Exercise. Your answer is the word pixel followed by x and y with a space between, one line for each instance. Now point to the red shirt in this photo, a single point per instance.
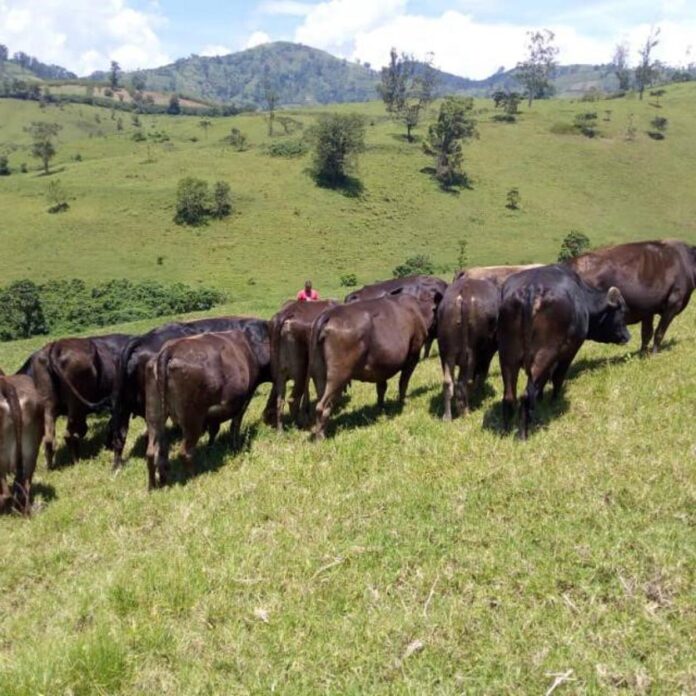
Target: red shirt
pixel 302 296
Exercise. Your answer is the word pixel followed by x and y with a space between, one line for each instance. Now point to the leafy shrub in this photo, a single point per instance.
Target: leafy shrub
pixel 513 199
pixel 27 309
pixel 138 136
pixel 222 200
pixel 349 280
pixel 191 201
pixel 23 168
pixel 338 139
pixel 415 265
pixel 57 197
pixel 586 123
pixel 4 166
pixel 237 140
pixel 504 118
pixel 574 244
pixel 287 148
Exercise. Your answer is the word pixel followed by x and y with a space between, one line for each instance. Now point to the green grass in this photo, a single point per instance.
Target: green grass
pixel 297 568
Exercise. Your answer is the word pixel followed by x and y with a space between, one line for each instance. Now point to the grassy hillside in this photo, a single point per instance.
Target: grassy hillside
pixel 401 555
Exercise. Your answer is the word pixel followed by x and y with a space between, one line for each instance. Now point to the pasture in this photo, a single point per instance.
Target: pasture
pixel 403 554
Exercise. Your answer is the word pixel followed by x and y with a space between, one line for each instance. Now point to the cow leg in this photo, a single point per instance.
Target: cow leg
pixel 120 435
pixel 405 376
pixel 213 430
pixel 510 375
pixel 5 494
pixel 192 433
pixel 427 346
pixel 269 415
pixel 76 430
pixel 236 426
pixel 662 326
pixel 646 333
pixel 331 392
pixel 21 492
pixel 559 374
pixel 447 389
pixel 381 391
pixel 296 397
pixel 539 372
pixel 280 403
pixel 49 435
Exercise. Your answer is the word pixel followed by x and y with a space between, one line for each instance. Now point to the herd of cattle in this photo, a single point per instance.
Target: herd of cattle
pixel 202 373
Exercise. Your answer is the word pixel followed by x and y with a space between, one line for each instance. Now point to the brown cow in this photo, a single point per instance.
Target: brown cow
pixel 368 340
pixel 414 285
pixel 467 320
pixel 21 426
pixel 75 377
pixel 496 274
pixel 290 331
pixel 655 277
pixel 199 382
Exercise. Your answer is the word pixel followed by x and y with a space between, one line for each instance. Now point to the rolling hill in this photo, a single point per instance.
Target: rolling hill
pixel 402 555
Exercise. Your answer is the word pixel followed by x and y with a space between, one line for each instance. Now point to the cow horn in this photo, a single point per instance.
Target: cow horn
pixel 614 297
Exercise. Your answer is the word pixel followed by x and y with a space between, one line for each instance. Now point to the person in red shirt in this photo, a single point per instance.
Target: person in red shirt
pixel 307 294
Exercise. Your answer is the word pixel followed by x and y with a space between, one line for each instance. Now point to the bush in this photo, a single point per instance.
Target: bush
pixel 237 140
pixel 513 199
pixel 191 201
pixel 287 148
pixel 23 168
pixel 504 118
pixel 57 197
pixel 415 265
pixel 138 136
pixel 587 124
pixel 222 200
pixel 338 139
pixel 349 280
pixel 574 244
pixel 4 166
pixel 69 305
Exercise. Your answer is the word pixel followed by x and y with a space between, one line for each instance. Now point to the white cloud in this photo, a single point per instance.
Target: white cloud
pixel 83 35
pixel 286 7
pixel 257 38
pixel 215 50
pixel 462 44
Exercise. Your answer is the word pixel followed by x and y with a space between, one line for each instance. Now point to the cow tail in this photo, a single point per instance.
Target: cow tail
pixel 528 325
pixel 56 369
pixel 10 393
pixel 161 371
pixel 315 340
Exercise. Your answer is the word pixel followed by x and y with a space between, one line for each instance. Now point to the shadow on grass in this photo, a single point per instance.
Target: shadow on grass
pixel 547 410
pixel 348 186
pixel 454 186
pixel 90 446
pixel 362 417
pixel 208 458
pixel 437 406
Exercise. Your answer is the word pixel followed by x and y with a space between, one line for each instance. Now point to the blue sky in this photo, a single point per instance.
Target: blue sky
pixel 468 37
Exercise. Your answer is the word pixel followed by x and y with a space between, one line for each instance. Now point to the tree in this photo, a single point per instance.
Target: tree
pixel 222 200
pixel 205 124
pixel 237 140
pixel 574 244
pixel 407 88
pixel 619 66
pixel 4 53
pixel 270 98
pixel 338 139
pixel 138 81
pixel 647 68
pixel 4 166
pixel 415 265
pixel 43 134
pixel 114 74
pixel 536 71
pixel 21 313
pixel 191 201
pixel 57 197
pixel 455 125
pixel 174 108
pixel 509 102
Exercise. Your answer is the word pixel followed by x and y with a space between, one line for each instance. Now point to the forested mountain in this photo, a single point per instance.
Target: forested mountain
pixel 25 66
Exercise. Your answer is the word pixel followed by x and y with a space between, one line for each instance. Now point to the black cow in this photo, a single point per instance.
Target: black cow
pixel 545 316
pixel 129 392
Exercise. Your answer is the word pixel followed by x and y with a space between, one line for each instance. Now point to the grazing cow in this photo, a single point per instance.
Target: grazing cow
pixel 414 285
pixel 75 377
pixel 367 340
pixel 199 382
pixel 467 320
pixel 129 390
pixel 290 331
pixel 496 274
pixel 21 427
pixel 545 316
pixel 655 277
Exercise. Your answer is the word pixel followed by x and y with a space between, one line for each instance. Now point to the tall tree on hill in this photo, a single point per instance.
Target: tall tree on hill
pixel 619 66
pixel 455 125
pixel 270 98
pixel 536 70
pixel 407 88
pixel 647 68
pixel 138 81
pixel 114 74
pixel 43 135
pixel 4 53
pixel 174 107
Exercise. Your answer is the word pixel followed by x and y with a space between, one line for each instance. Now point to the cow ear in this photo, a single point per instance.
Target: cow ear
pixel 614 297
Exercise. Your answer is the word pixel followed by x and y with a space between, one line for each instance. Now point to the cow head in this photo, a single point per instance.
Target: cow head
pixel 608 321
